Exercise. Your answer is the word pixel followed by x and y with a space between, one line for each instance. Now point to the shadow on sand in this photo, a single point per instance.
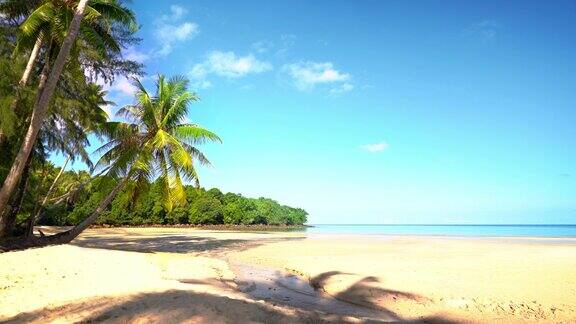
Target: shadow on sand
pixel 172 243
pixel 254 298
pixel 365 292
pixel 176 306
pixel 363 299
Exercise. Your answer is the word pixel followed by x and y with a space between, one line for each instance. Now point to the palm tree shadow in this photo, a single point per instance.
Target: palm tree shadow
pixel 171 243
pixel 176 306
pixel 172 306
pixel 365 293
pixel 362 300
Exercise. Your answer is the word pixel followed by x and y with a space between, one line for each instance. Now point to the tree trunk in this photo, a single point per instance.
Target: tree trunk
pixel 25 76
pixel 5 218
pixel 31 61
pixel 9 220
pixel 33 219
pixel 66 196
pixel 55 181
pixel 64 237
pixel 40 108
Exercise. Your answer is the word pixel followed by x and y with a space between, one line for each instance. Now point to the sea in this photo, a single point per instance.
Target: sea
pixel 447 230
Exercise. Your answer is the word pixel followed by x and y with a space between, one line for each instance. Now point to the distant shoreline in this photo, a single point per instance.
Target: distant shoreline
pixel 218 227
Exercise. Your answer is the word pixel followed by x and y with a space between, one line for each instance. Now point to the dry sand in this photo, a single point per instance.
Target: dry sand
pixel 187 275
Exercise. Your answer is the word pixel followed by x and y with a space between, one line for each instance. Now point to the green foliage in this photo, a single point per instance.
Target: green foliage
pixel 76 196
pixel 203 207
pixel 206 209
pixel 157 142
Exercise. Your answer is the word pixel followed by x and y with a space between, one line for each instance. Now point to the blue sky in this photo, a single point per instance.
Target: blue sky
pixel 379 111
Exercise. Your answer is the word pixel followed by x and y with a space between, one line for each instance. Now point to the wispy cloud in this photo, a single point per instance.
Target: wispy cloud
pixel 133 54
pixel 486 30
pixel 281 46
pixel 262 46
pixel 343 88
pixel 171 29
pixel 376 147
pixel 176 12
pixel 307 75
pixel 201 84
pixel 228 65
pixel 124 86
pixel 287 42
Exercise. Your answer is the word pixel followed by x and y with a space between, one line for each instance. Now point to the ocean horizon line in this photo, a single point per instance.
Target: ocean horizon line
pixel 437 224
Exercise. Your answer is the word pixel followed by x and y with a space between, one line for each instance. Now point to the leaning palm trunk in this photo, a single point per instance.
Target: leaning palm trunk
pixel 64 237
pixel 71 193
pixel 31 60
pixel 34 217
pixel 9 220
pixel 40 108
pixel 26 75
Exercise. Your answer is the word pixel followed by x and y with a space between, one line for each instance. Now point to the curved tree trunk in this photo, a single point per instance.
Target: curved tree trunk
pixel 56 180
pixel 31 61
pixel 9 220
pixel 66 196
pixel 64 237
pixel 25 76
pixel 40 109
pixel 36 214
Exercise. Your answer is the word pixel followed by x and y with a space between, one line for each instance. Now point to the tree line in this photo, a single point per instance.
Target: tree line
pixel 55 57
pixel 73 202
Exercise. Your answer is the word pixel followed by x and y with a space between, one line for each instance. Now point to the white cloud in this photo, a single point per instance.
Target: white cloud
pixel 306 75
pixel 177 12
pixel 376 147
pixel 287 42
pixel 170 29
pixel 229 65
pixel 262 46
pixel 485 30
pixel 343 88
pixel 124 86
pixel 202 84
pixel 134 55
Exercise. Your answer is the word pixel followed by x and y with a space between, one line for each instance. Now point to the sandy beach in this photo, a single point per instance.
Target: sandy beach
pixel 200 276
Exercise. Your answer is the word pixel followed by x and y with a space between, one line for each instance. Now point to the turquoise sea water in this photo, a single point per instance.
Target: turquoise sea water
pixel 449 230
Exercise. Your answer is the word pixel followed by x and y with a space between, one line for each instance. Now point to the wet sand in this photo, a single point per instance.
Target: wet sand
pixel 187 275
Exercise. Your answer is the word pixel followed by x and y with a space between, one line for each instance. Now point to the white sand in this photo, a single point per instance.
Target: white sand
pixel 182 275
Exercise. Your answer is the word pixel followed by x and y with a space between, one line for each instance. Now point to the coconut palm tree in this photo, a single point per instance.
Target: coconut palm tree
pixel 66 131
pixel 156 142
pixel 50 75
pixel 76 112
pixel 47 22
pixel 40 110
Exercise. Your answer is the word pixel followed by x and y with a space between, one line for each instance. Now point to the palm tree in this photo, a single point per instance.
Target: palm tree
pixel 155 143
pixel 67 131
pixel 35 28
pixel 76 112
pixel 40 110
pixel 47 22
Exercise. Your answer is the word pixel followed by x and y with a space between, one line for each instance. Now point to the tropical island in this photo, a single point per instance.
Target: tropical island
pixel 110 122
